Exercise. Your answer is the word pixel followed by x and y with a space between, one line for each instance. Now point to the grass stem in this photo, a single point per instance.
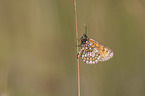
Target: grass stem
pixel 77 47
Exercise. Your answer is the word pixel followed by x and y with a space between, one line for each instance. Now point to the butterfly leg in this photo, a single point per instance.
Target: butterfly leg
pixel 77 45
pixel 80 53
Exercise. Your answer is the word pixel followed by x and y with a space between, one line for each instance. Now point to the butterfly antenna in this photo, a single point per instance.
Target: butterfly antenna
pixel 86 29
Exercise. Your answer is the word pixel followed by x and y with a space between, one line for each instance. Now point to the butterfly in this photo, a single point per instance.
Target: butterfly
pixel 92 51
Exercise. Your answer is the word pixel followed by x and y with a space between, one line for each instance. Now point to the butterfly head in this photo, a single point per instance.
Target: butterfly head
pixel 83 39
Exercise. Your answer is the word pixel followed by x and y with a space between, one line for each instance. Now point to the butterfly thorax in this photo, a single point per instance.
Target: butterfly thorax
pixel 84 39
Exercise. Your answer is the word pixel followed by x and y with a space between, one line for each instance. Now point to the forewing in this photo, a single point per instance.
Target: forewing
pixel 105 52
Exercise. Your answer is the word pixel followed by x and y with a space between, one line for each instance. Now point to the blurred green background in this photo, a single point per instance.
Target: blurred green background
pixel 38 47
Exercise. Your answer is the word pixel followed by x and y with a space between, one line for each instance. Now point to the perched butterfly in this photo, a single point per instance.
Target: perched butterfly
pixel 92 51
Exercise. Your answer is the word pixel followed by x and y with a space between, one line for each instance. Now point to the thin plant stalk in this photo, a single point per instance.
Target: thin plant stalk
pixel 77 47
